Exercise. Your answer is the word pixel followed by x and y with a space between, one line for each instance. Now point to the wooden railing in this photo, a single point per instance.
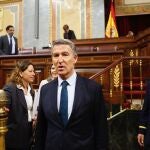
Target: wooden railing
pixel 124 83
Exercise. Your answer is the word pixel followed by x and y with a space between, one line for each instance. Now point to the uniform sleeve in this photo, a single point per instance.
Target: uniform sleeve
pixel 144 115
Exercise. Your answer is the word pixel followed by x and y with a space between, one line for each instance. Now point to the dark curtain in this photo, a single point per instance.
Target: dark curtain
pixel 135 23
pixel 107 10
pixel 123 25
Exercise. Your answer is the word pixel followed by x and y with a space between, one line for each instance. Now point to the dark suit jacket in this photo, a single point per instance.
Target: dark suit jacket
pixel 69 35
pixel 4 46
pixel 19 130
pixel 87 125
pixel 145 117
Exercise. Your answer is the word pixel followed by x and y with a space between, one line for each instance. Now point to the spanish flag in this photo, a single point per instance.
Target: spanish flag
pixel 111 28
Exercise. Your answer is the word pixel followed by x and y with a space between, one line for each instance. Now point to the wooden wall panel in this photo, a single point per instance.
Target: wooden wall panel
pixel 42 63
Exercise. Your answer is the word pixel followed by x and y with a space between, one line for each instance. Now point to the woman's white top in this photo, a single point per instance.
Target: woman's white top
pixel 29 101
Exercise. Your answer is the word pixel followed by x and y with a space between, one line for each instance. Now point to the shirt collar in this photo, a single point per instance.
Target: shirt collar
pixel 22 88
pixel 9 36
pixel 71 80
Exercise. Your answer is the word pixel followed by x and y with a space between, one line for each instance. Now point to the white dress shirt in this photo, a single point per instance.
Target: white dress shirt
pixel 71 91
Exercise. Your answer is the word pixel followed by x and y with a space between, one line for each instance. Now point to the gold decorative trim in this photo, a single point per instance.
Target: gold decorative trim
pixel 142 127
pixel 116 76
pixel 131 54
pixel 123 9
pixel 1 18
pixel 8 1
pixel 117 114
pixel 54 18
pixel 50 23
pixel 88 19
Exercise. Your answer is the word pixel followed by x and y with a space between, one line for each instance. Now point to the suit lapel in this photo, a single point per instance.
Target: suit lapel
pixel 79 95
pixel 53 101
pixel 7 40
pixel 21 98
pixel 53 97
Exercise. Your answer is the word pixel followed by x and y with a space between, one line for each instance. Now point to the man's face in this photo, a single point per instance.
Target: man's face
pixel 10 31
pixel 64 60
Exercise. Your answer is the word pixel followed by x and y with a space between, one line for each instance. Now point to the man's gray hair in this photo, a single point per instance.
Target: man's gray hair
pixel 65 42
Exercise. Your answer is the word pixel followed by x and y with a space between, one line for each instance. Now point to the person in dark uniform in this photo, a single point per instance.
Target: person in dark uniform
pixel 8 43
pixel 144 125
pixel 68 34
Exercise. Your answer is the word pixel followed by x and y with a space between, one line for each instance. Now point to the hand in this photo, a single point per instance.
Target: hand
pixel 6 109
pixel 34 121
pixel 140 138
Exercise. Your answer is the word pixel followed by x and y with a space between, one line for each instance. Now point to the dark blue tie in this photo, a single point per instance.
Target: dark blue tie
pixel 63 110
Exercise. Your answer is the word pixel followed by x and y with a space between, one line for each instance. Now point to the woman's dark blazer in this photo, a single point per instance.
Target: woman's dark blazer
pixel 19 131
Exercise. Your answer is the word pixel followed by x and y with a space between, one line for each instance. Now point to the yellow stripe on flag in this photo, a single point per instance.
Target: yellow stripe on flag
pixel 111 28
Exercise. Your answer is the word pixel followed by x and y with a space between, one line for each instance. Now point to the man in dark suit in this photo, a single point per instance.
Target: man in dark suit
pixel 82 124
pixel 8 43
pixel 144 125
pixel 68 34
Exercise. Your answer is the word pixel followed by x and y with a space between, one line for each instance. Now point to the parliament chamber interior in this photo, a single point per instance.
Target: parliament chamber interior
pixel 120 64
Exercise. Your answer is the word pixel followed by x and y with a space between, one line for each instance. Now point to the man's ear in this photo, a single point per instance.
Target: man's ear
pixel 75 58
